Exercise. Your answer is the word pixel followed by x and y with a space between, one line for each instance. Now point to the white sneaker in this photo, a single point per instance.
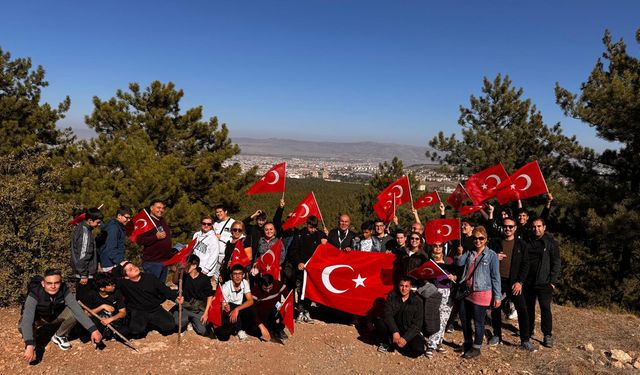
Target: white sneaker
pixel 242 335
pixel 513 315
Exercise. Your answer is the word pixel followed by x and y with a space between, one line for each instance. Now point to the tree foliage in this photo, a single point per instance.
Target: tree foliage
pixel 147 148
pixel 502 126
pixel 24 121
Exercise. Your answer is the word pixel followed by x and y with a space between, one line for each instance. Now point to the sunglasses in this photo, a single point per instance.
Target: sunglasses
pixel 415 238
pixel 207 224
pixel 437 245
pixel 236 230
pixel 506 226
pixel 478 238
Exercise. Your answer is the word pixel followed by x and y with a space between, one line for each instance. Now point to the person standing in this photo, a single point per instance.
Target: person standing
pixel 222 226
pixel 84 255
pixel 544 272
pixel 111 239
pixel 342 236
pixel 156 243
pixel 208 248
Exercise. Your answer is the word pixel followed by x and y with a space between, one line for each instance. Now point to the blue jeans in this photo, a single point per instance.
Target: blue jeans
pixel 472 312
pixel 157 269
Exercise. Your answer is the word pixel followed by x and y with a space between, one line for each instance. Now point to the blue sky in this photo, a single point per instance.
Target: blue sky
pixel 393 71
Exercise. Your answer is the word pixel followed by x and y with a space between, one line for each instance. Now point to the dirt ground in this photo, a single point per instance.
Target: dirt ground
pixel 332 348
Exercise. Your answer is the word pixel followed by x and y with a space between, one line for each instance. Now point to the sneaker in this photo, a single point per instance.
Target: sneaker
pixel 281 335
pixel 548 341
pixel 383 348
pixel 472 353
pixel 441 349
pixel 429 353
pixel 242 335
pixel 513 315
pixel 61 341
pixel 528 347
pixel 307 317
pixel 300 318
pixel 495 340
pixel 449 328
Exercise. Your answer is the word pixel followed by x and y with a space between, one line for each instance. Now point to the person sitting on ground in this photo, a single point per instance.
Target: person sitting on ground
pixel 399 328
pixel 108 303
pixel 238 315
pixel 268 294
pixel 84 255
pixel 49 303
pixel 198 295
pixel 144 294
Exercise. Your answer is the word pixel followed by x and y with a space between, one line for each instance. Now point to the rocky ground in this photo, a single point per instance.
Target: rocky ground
pixel 587 342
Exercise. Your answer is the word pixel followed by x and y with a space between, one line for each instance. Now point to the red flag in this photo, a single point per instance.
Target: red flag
pixel 427 200
pixel 427 271
pixel 385 210
pixel 399 189
pixel 214 314
pixel 272 182
pixel 269 262
pixel 182 255
pixel 458 196
pixel 353 281
pixel 482 185
pixel 466 210
pixel 442 230
pixel 304 209
pixel 239 256
pixel 286 312
pixel 140 224
pixel 77 219
pixel 526 182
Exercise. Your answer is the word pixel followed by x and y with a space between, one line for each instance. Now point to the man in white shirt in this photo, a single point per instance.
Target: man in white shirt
pixel 238 315
pixel 208 248
pixel 222 226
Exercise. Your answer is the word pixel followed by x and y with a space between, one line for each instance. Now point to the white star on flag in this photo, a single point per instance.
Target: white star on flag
pixel 484 186
pixel 359 281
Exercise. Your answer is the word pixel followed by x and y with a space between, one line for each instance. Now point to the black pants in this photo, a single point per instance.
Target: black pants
pixel 544 295
pixel 414 348
pixel 121 325
pixel 272 321
pixel 158 318
pixel 246 322
pixel 521 308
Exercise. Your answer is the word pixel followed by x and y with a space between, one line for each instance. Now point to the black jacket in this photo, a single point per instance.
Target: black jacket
pixel 519 259
pixel 404 317
pixel 548 271
pixel 335 235
pixel 304 245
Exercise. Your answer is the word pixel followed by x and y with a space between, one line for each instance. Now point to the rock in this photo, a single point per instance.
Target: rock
pixel 620 355
pixel 617 364
pixel 589 347
pixel 636 364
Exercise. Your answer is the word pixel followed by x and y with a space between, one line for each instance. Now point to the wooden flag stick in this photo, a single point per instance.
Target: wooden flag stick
pixel 127 342
pixel 180 305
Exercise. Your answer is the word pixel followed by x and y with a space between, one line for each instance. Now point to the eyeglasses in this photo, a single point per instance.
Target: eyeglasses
pixel 506 226
pixel 236 230
pixel 415 238
pixel 207 224
pixel 478 238
pixel 128 217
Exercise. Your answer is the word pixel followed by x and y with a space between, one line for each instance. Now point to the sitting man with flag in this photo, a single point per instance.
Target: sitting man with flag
pixel 238 315
pixel 402 320
pixel 198 294
pixel 268 294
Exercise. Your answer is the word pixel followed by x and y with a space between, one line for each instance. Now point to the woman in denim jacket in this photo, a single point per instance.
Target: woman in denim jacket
pixel 481 278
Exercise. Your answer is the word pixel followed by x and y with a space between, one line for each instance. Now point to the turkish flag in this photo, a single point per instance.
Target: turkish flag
pixel 399 189
pixel 304 209
pixel 269 262
pixel 385 211
pixel 427 200
pixel 526 182
pixel 182 255
pixel 239 256
pixel 141 223
pixel 466 210
pixel 427 271
pixel 442 230
pixel 458 196
pixel 214 314
pixel 286 312
pixel 77 219
pixel 351 281
pixel 482 185
pixel 272 182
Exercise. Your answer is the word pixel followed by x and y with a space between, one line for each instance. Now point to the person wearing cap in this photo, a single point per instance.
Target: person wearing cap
pixel 198 295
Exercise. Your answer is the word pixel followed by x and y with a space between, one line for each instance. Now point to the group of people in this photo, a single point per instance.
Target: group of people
pixel 509 259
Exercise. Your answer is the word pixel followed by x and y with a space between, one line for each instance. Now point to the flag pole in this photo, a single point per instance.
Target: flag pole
pixel 180 305
pixel 150 219
pixel 127 342
pixel 320 212
pixel 410 195
pixel 285 180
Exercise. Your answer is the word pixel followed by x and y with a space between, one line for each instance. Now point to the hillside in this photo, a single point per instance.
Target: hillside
pixel 323 348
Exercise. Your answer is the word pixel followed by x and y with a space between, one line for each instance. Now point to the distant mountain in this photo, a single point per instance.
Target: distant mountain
pixel 355 151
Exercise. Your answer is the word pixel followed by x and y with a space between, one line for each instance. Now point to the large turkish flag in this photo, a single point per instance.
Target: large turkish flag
pixel 272 182
pixel 286 312
pixel 399 189
pixel 482 185
pixel 442 230
pixel 214 314
pixel 239 255
pixel 306 208
pixel 526 182
pixel 141 223
pixel 353 281
pixel 182 255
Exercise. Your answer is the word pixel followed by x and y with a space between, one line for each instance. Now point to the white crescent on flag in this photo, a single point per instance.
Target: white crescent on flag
pixel 495 177
pixel 326 274
pixel 449 230
pixel 527 179
pixel 275 179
